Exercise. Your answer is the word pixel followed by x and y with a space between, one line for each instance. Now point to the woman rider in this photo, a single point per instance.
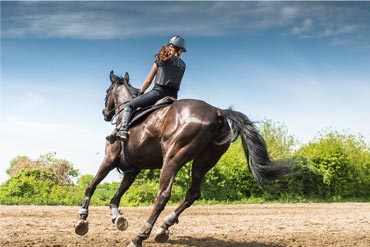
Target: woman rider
pixel 168 70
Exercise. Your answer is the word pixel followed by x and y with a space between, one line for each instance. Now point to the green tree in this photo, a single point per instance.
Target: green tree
pixel 62 169
pixel 46 180
pixel 19 163
pixel 280 144
pixel 30 185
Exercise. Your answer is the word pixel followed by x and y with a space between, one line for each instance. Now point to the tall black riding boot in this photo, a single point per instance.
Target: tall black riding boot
pixel 123 132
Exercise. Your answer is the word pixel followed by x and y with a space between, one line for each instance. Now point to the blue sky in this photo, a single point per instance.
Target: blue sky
pixel 302 64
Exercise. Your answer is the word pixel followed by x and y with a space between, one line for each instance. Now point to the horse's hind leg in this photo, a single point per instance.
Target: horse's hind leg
pixel 128 179
pixel 168 173
pixel 201 165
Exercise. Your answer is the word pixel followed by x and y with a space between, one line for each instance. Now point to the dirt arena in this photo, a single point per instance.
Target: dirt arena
pixel 269 225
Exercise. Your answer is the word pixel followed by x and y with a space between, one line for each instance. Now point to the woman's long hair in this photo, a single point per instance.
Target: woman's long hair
pixel 167 53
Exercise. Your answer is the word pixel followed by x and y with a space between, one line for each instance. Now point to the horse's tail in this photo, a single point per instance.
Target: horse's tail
pixel 260 165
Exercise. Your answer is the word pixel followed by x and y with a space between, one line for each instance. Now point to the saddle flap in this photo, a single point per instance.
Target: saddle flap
pixel 141 113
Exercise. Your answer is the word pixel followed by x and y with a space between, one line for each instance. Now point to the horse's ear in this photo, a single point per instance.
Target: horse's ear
pixel 112 77
pixel 127 77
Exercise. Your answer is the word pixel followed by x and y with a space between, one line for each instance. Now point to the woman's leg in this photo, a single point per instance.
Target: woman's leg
pixel 141 101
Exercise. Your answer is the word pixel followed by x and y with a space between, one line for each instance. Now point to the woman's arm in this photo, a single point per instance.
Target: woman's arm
pixel 149 78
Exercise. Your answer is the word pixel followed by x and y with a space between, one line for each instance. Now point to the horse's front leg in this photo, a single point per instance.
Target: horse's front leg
pixel 82 226
pixel 117 218
pixel 112 152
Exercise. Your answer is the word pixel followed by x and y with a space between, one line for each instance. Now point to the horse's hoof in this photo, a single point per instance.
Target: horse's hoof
pixel 131 244
pixel 162 235
pixel 82 227
pixel 121 223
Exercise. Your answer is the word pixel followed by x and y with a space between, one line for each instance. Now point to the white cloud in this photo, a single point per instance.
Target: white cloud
pixel 289 12
pixel 97 20
pixel 347 29
pixel 305 26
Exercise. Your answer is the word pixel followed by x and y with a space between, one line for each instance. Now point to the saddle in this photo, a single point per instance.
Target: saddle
pixel 141 113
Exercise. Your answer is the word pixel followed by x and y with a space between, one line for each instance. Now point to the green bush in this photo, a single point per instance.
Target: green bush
pixel 28 186
pixel 85 180
pixel 141 194
pixel 337 168
pixel 65 195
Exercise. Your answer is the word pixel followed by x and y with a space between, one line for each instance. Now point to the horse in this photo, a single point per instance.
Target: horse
pixel 187 130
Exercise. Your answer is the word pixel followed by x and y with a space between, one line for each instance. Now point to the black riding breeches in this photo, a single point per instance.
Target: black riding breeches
pixel 150 98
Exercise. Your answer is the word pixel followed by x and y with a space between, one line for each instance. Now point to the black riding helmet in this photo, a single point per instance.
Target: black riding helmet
pixel 177 41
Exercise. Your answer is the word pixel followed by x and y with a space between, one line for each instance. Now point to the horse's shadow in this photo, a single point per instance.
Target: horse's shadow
pixel 214 242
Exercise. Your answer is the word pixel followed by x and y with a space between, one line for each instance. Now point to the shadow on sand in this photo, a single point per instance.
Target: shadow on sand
pixel 214 242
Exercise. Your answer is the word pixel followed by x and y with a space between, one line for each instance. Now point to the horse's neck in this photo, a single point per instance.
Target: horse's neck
pixel 122 99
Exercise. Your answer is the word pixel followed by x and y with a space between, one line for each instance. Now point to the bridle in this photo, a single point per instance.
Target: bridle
pixel 109 90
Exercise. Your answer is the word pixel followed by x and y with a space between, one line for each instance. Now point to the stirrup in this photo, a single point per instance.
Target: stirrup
pixel 122 135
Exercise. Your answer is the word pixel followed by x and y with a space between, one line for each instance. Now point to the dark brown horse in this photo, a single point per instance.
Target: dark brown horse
pixel 187 130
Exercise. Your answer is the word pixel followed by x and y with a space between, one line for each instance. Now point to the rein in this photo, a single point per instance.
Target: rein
pixel 114 109
pixel 109 90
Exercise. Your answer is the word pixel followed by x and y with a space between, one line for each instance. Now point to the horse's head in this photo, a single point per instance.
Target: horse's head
pixel 118 94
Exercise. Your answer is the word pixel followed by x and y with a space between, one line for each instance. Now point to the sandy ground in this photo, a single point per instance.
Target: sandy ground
pixel 271 225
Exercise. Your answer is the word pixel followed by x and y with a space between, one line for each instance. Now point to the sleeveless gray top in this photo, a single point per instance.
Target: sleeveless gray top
pixel 170 73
